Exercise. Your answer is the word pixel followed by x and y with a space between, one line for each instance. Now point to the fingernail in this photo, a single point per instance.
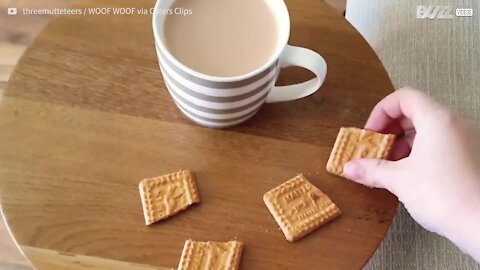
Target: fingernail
pixel 352 170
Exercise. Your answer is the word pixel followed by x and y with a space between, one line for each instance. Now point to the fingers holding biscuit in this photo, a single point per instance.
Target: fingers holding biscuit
pixel 400 111
pixel 402 147
pixel 370 172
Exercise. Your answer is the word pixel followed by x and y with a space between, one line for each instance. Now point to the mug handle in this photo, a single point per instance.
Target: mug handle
pixel 301 57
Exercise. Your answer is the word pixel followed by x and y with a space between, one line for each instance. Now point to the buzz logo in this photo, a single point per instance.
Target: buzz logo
pixel 434 12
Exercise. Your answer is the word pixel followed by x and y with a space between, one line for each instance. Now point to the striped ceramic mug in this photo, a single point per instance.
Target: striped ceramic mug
pixel 220 102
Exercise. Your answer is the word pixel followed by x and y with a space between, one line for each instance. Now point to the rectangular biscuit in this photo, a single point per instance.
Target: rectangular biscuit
pixel 299 207
pixel 210 255
pixel 353 143
pixel 167 195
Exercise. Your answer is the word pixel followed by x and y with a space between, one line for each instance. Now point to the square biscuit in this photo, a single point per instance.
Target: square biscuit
pixel 210 255
pixel 167 195
pixel 353 143
pixel 299 207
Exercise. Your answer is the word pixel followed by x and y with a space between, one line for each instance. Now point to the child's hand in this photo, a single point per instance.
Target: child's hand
pixel 435 170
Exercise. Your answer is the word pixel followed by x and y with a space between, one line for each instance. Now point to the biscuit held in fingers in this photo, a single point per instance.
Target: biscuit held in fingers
pixel 354 143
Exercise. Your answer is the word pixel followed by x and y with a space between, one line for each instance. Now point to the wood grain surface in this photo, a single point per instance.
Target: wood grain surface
pixel 16 33
pixel 57 260
pixel 86 116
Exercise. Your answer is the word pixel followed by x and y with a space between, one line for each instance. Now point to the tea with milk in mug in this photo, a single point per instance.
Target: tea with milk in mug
pixel 223 38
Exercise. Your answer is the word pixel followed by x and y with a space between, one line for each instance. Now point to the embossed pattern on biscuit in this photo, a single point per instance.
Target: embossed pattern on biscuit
pixel 299 207
pixel 210 255
pixel 167 195
pixel 353 143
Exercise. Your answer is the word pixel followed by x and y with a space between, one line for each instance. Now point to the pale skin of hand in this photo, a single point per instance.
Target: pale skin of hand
pixel 434 166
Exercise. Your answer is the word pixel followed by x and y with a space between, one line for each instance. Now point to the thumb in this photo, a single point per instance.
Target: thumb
pixel 377 173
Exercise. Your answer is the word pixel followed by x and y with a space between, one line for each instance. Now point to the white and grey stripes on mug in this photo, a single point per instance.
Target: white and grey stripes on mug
pixel 217 104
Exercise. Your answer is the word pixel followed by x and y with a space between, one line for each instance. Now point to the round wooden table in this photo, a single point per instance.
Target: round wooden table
pixel 86 116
